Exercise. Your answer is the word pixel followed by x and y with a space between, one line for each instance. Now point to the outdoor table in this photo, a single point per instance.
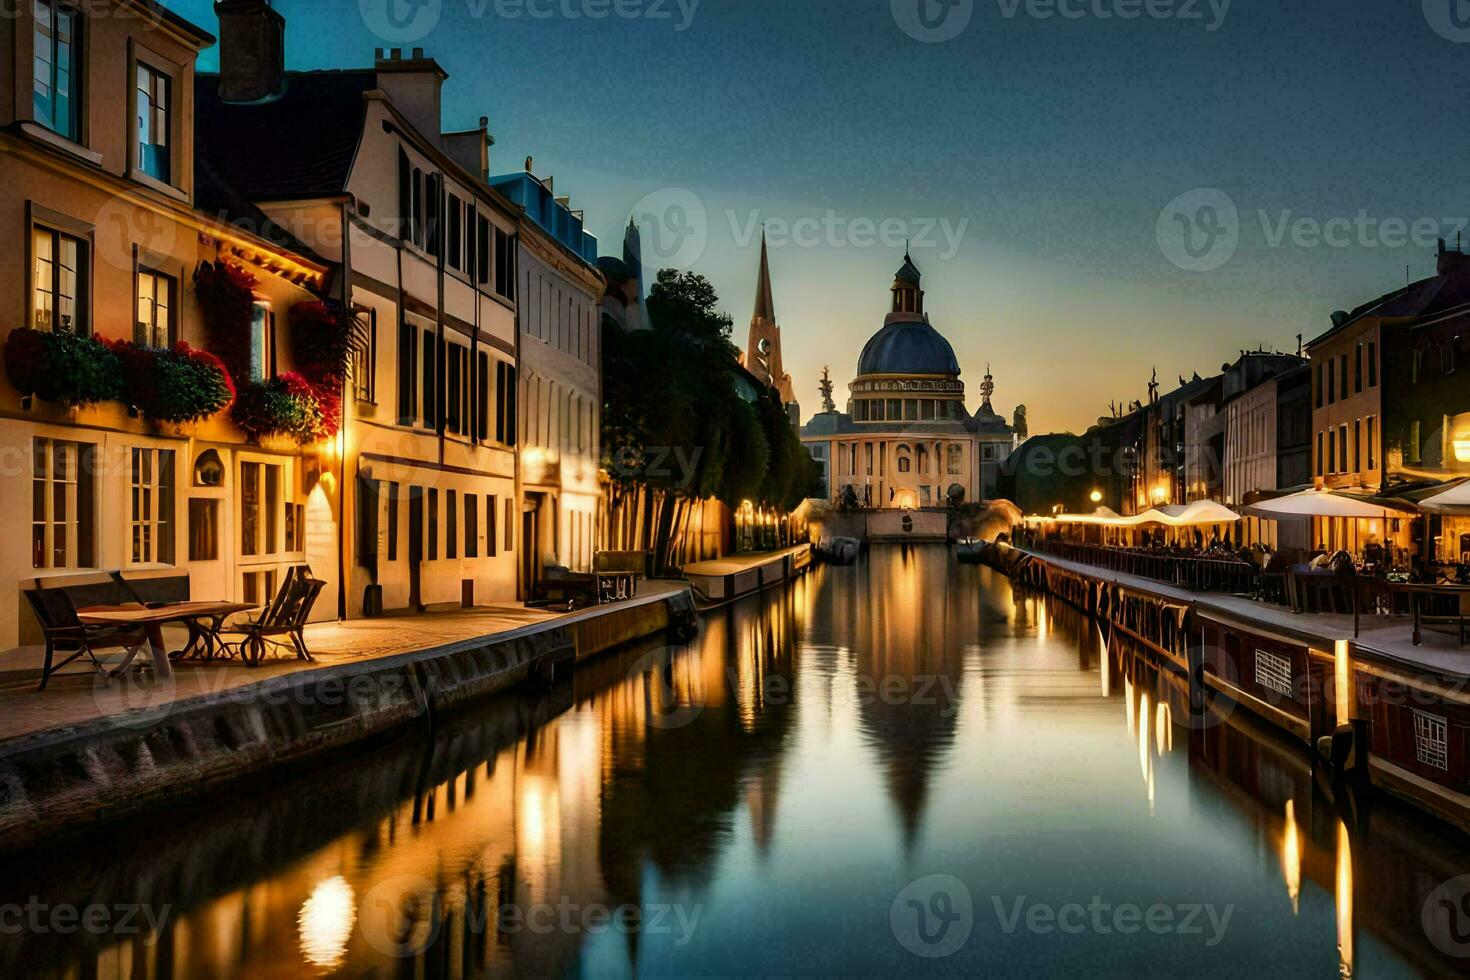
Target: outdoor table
pixel 202 638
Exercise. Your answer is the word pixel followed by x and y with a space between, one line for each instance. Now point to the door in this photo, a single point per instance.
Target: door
pixel 415 547
pixel 530 552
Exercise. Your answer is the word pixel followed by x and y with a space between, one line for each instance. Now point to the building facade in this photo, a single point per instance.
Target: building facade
pixel 355 161
pixel 907 440
pixel 109 228
pixel 560 358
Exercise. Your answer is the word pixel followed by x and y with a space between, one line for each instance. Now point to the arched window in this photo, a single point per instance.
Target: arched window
pixel 923 459
pixel 208 470
pixel 956 459
pixel 905 459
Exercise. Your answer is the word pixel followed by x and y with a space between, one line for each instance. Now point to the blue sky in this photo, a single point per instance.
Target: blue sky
pixel 1031 155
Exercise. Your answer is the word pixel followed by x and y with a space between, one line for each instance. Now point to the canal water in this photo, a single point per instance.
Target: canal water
pixel 904 766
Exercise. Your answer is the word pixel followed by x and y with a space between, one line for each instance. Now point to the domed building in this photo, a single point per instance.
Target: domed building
pixel 907 440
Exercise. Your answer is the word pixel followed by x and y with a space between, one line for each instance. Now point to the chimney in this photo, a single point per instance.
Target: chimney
pixel 415 85
pixel 471 148
pixel 252 50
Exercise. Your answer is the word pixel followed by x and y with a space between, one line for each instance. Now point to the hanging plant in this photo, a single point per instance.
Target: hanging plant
pixel 324 335
pixel 58 366
pixel 226 294
pixel 178 384
pixel 284 405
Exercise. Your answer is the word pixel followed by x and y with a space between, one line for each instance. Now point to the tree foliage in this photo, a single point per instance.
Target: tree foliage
pixel 677 419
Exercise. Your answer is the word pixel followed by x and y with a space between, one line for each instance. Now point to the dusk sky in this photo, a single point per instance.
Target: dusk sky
pixel 1049 146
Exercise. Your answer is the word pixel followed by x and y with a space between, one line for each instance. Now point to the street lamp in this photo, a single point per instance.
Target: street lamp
pixel 1097 496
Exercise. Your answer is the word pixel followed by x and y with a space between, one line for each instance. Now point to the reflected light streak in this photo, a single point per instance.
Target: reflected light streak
pixel 1344 902
pixel 1291 857
pixel 1128 705
pixel 326 920
pixel 1164 728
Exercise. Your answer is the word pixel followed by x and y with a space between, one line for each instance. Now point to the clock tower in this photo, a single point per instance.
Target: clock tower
pixel 762 356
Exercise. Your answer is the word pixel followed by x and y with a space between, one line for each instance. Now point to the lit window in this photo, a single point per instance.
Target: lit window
pixel 60 275
pixel 155 309
pixel 152 506
pixel 63 504
pixel 261 509
pixel 262 331
pixel 153 123
pixel 56 101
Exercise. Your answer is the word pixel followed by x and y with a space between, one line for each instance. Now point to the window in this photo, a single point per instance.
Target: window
pixel 1447 355
pixel 428 363
pixel 153 123
pixel 905 459
pixel 57 100
pixel 203 529
pixel 208 470
pixel 1358 371
pixel 152 506
pixel 451 524
pixel 63 504
pixel 1372 447
pixel 1331 454
pixel 262 341
pixel 926 409
pixel 1321 457
pixel 1358 444
pixel 956 460
pixel 1342 374
pixel 492 502
pixel 433 523
pixel 505 403
pixel 482 250
pixel 1372 364
pixel 482 400
pixel 155 326
pixel 258 587
pixel 1331 385
pixel 1342 448
pixel 408 410
pixel 391 496
pixel 1411 451
pixel 471 525
pixel 504 265
pixel 454 210
pixel 433 214
pixel 1321 387
pixel 261 508
pixel 1273 672
pixel 60 277
pixel 1431 741
pixel 510 531
pixel 365 360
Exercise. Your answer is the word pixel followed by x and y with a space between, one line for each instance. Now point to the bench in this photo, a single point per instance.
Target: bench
pixel 55 608
pixel 617 573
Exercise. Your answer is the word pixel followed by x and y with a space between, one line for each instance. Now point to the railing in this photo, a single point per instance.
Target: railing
pixel 1197 574
pixel 1301 591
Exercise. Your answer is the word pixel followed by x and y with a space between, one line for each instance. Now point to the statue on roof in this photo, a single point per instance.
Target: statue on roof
pixel 1018 423
pixel 828 405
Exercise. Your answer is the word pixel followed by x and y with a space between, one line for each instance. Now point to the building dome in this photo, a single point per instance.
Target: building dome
pixel 908 347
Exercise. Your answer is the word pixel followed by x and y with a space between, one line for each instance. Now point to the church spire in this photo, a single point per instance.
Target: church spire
pixel 765 307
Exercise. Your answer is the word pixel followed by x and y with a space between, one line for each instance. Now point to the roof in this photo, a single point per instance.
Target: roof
pixel 298 146
pixel 1426 297
pixel 908 347
pixel 765 306
pixel 155 9
pixel 908 272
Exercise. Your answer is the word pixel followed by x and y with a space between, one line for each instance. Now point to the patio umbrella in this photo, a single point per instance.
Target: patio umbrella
pixel 1322 503
pixel 1455 501
pixel 1205 512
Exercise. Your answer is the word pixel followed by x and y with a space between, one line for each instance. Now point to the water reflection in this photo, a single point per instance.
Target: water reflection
pixel 754 802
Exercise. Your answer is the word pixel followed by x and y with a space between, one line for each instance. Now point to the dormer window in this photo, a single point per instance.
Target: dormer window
pixel 153 123
pixel 57 101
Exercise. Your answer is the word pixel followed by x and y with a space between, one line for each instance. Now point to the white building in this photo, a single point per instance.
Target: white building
pixel 560 357
pixel 355 162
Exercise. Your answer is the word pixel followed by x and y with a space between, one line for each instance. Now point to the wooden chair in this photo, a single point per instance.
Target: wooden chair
pixel 286 616
pixel 65 633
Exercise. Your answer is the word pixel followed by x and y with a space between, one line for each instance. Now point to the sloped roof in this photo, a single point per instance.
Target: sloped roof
pixel 300 145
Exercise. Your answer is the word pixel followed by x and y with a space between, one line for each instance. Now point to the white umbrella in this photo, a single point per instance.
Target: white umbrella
pixel 1322 503
pixel 1454 501
pixel 1206 512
